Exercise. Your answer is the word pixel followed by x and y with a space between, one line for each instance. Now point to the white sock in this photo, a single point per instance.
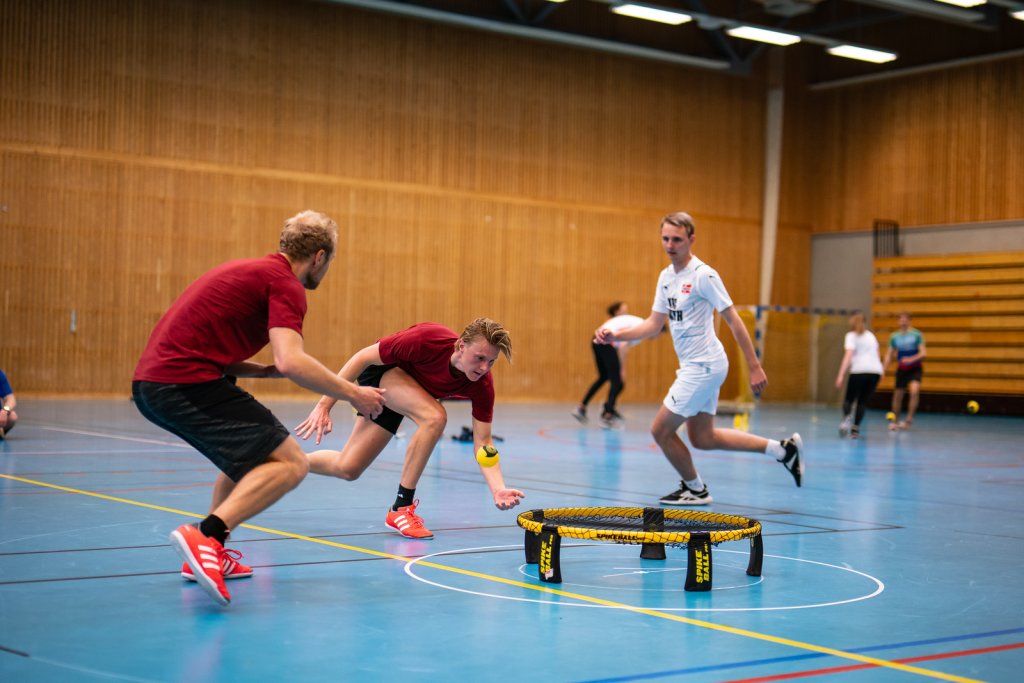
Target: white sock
pixel 694 485
pixel 775 449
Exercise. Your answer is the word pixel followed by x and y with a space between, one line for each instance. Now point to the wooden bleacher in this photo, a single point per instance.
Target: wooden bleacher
pixel 970 308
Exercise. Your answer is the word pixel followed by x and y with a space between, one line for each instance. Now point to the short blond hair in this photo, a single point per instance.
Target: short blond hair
pixel 306 233
pixel 680 219
pixel 491 332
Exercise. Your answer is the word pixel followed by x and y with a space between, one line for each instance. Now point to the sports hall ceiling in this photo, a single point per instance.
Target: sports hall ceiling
pixel 924 34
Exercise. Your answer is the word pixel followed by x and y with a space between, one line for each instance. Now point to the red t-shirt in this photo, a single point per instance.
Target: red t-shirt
pixel 222 318
pixel 425 352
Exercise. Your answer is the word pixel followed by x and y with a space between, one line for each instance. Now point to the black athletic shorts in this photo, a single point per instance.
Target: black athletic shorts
pixel 388 419
pixel 221 421
pixel 905 377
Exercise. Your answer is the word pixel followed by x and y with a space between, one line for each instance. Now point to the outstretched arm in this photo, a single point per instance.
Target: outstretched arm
pixel 758 378
pixel 504 498
pixel 319 419
pixel 248 368
pixel 293 362
pixel 648 328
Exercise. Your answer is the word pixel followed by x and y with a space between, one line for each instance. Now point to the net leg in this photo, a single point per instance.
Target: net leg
pixel 532 543
pixel 756 556
pixel 549 569
pixel 698 563
pixel 654 520
pixel 652 551
pixel 532 547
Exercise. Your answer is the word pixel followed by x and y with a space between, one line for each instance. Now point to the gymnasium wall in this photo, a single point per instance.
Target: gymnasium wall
pixel 144 142
pixel 929 149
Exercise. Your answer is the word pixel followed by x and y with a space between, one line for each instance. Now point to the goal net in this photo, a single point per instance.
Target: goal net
pixel 800 349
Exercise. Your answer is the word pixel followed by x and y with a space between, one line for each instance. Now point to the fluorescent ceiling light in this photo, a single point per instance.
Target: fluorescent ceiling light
pixel 1019 14
pixel 763 35
pixel 862 53
pixel 964 3
pixel 652 14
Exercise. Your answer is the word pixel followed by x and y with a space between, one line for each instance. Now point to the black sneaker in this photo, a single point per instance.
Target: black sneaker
pixel 854 432
pixel 793 459
pixel 580 414
pixel 684 495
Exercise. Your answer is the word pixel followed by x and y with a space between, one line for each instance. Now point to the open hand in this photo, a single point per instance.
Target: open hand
pixel 506 499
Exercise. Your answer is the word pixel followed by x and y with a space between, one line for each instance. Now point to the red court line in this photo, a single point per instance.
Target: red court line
pixel 860 667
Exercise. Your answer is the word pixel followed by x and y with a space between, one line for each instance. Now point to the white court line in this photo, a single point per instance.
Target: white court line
pixel 878 589
pixel 134 439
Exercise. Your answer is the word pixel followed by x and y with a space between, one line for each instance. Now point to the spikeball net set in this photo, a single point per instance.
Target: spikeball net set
pixel 651 528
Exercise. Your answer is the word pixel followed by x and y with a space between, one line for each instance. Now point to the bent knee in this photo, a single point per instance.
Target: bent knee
pixel 662 433
pixel 348 474
pixel 435 421
pixel 703 441
pixel 297 471
pixel 293 459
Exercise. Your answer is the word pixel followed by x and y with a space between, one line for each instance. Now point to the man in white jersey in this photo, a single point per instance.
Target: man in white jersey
pixel 689 292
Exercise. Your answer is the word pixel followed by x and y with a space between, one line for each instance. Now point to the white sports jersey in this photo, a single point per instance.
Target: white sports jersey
pixel 622 322
pixel 865 353
pixel 689 298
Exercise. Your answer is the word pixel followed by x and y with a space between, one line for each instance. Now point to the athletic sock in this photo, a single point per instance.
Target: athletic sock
pixel 214 527
pixel 405 497
pixel 775 449
pixel 695 485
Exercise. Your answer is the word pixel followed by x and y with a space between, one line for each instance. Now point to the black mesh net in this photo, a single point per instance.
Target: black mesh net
pixel 639 525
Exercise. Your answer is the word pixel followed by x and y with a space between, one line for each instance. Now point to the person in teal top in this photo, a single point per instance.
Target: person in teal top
pixel 907 343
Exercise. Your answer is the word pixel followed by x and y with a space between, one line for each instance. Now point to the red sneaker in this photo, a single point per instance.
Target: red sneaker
pixel 405 521
pixel 229 566
pixel 203 555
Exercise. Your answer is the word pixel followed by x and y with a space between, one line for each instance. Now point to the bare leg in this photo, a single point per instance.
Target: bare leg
pixel 664 430
pixel 704 435
pixel 407 397
pixel 364 444
pixel 897 402
pixel 915 393
pixel 264 485
pixel 222 488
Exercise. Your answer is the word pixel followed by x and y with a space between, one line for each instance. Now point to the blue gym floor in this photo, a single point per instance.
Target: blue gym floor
pixel 900 559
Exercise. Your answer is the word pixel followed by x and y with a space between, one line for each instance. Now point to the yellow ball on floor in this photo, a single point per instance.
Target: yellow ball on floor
pixel 487 456
pixel 890 416
pixel 973 407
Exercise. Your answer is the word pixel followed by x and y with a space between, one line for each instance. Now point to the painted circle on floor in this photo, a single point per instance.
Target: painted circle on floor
pixel 625 578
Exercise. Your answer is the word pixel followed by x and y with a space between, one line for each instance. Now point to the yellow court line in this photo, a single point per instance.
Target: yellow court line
pixel 541 589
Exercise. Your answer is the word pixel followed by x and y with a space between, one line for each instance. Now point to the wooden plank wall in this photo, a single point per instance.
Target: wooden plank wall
pixel 930 149
pixel 144 141
pixel 970 308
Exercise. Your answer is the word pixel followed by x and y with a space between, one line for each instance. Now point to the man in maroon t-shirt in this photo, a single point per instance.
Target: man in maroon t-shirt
pixel 185 383
pixel 418 366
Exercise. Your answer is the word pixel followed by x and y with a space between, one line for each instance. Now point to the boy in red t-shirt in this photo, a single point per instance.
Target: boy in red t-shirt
pixel 418 367
pixel 185 383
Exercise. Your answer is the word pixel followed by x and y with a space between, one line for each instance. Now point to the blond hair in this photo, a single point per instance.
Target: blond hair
pixel 491 332
pixel 306 233
pixel 680 220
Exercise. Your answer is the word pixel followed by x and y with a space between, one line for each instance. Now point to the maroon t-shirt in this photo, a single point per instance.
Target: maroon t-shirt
pixel 224 317
pixel 425 352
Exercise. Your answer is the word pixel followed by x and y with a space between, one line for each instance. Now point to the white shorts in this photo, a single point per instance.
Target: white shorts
pixel 696 388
